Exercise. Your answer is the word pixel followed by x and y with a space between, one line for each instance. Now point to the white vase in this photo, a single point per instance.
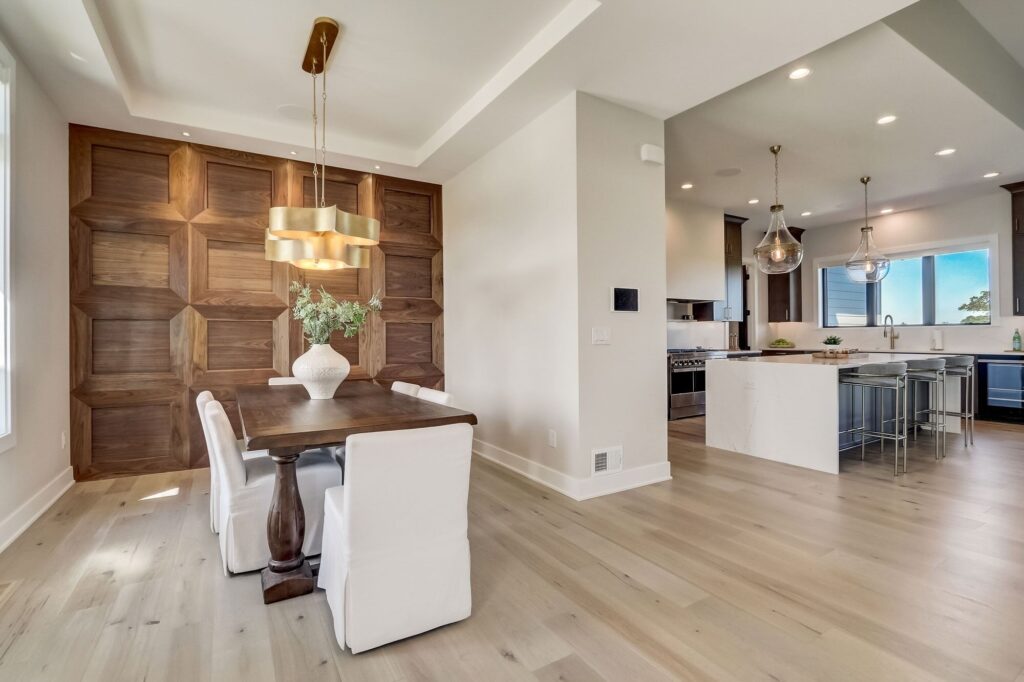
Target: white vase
pixel 321 369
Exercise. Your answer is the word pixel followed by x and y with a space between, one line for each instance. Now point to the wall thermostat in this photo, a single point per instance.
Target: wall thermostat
pixel 625 300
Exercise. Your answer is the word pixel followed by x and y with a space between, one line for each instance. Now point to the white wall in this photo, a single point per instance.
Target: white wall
pixel 37 469
pixel 621 243
pixel 511 277
pixel 982 218
pixel 536 233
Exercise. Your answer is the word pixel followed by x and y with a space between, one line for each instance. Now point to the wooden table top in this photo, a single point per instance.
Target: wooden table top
pixel 285 417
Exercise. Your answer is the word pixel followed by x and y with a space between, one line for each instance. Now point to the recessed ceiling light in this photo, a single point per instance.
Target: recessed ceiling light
pixel 886 211
pixel 885 120
pixel 76 56
pixel 805 214
pixel 945 152
pixel 186 133
pixel 293 152
pixel 376 167
pixel 991 175
pixel 686 185
pixel 753 201
pixel 797 74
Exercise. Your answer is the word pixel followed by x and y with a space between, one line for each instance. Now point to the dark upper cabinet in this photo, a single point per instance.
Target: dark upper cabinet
pixel 785 292
pixel 730 309
pixel 1017 251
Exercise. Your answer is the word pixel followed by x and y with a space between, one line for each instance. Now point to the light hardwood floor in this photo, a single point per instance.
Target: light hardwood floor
pixel 736 569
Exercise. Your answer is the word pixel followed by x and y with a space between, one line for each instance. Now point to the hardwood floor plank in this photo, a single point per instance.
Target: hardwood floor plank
pixel 736 569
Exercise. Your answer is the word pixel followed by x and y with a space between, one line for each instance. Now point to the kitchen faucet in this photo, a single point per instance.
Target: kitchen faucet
pixel 889 332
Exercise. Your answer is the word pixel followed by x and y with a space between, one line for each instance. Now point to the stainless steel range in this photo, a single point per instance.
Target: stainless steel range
pixel 686 396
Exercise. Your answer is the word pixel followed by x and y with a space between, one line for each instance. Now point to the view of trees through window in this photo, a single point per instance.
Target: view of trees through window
pixel 934 289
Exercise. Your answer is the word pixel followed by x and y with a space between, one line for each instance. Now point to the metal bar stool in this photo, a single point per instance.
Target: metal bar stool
pixel 962 367
pixel 883 376
pixel 932 373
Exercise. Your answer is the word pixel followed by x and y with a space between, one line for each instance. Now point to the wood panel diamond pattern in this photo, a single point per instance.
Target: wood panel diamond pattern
pixel 170 293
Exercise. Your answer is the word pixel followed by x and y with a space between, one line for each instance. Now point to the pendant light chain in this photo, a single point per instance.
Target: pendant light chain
pixel 866 202
pixel 323 124
pixel 776 155
pixel 316 200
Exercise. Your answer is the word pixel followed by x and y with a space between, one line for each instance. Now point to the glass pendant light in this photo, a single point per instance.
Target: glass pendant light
pixel 779 252
pixel 868 264
pixel 320 237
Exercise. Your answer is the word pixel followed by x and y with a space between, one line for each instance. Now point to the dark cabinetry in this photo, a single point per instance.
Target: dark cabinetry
pixel 785 292
pixel 1017 193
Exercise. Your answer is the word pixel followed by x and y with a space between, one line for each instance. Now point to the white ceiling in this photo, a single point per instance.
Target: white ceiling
pixel 421 88
pixel 826 124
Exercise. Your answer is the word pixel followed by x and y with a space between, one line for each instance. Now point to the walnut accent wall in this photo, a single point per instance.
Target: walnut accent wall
pixel 171 295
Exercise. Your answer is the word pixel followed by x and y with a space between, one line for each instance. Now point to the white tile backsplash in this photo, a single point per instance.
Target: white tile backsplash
pixel 693 334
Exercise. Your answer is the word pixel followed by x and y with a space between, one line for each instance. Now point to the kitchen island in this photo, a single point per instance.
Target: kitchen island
pixel 790 408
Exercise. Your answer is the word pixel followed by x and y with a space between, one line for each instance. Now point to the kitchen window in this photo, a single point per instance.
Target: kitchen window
pixel 940 288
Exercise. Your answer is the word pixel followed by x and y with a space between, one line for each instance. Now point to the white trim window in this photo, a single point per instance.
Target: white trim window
pixel 953 284
pixel 6 156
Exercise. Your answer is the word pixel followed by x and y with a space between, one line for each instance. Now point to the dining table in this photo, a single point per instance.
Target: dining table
pixel 284 421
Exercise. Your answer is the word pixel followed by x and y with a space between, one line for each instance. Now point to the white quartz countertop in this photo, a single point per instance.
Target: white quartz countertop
pixel 840 363
pixel 905 351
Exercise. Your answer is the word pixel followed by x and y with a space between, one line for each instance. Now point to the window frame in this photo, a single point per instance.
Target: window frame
pixel 927 253
pixel 7 98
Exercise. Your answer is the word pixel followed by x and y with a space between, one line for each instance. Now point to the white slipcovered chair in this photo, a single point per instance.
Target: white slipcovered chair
pixel 201 401
pixel 246 488
pixel 395 559
pixel 405 387
pixel 435 396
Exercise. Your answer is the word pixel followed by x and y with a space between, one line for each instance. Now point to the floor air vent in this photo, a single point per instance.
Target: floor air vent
pixel 605 460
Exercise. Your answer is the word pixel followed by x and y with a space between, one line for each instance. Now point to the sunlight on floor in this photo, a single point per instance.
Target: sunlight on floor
pixel 170 492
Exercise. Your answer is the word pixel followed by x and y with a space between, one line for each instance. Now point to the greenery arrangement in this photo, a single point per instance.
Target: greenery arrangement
pixel 782 343
pixel 833 340
pixel 320 318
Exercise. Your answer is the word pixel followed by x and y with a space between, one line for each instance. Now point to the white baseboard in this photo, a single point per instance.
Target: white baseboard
pixel 18 521
pixel 577 488
pixel 596 486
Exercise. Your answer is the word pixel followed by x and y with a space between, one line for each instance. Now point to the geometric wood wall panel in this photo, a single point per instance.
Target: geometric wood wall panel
pixel 408 343
pixel 236 188
pixel 171 294
pixel 238 266
pixel 239 344
pixel 124 174
pixel 131 433
pixel 131 346
pixel 407 212
pixel 125 259
pixel 407 276
pixel 344 195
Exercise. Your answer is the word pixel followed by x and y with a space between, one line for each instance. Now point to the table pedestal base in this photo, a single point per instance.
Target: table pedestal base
pixel 287 574
pixel 281 586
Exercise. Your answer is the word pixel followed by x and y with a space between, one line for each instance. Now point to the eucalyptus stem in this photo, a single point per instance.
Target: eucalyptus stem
pixel 324 315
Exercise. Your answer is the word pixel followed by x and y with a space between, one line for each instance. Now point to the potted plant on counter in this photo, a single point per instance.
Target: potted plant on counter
pixel 832 344
pixel 321 369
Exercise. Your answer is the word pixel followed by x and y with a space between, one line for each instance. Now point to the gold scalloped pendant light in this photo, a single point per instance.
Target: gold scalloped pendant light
pixel 321 237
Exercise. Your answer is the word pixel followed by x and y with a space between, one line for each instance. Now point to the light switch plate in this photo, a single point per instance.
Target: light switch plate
pixel 600 336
